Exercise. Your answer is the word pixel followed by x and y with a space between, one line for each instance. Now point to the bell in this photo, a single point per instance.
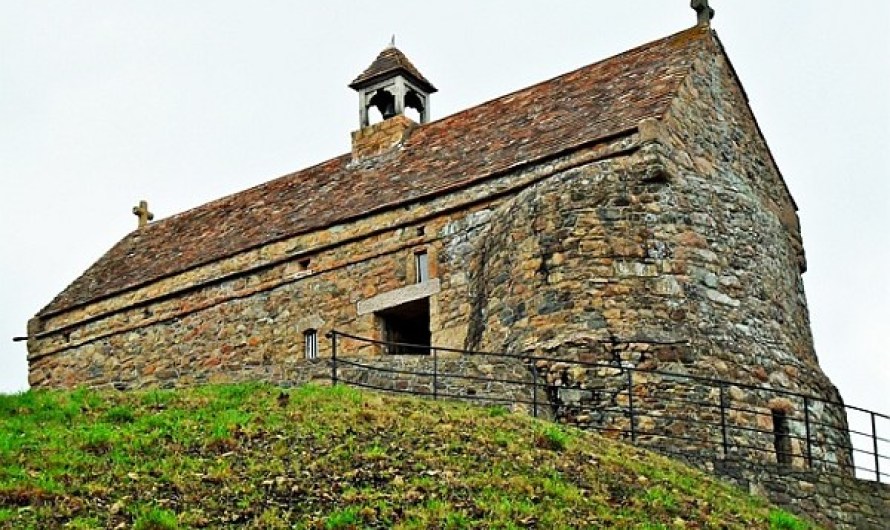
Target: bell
pixel 389 111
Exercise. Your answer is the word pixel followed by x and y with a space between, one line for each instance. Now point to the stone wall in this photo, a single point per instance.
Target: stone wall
pixel 830 500
pixel 724 430
pixel 679 413
pixel 244 317
pixel 683 257
pixel 381 137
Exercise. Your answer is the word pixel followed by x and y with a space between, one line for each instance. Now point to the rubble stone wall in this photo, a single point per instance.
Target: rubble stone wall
pixel 683 258
pixel 830 500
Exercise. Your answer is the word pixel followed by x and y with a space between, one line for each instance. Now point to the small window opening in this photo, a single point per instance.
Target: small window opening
pixel 310 343
pixel 421 230
pixel 782 437
pixel 421 266
pixel 304 264
pixel 409 325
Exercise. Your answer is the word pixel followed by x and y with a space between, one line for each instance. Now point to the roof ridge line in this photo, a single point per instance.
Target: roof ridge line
pixel 636 49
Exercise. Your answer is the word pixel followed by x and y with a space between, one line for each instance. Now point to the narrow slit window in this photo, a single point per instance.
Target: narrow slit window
pixel 782 437
pixel 310 343
pixel 421 266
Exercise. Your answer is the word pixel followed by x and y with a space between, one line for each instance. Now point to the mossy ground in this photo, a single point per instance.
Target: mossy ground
pixel 258 456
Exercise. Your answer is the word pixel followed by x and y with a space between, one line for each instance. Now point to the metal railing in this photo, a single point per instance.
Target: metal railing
pixel 654 408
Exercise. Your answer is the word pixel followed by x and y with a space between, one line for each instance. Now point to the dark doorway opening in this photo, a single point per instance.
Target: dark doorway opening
pixel 782 437
pixel 408 324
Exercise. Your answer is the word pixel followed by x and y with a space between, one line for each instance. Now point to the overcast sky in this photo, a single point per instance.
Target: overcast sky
pixel 104 103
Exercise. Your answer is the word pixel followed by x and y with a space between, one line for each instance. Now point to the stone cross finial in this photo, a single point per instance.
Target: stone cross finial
pixel 142 213
pixel 705 12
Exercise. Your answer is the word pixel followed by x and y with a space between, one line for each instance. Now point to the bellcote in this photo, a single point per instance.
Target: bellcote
pixel 392 84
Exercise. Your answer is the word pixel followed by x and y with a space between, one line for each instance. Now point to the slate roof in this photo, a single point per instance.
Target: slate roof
pixel 389 61
pixel 594 102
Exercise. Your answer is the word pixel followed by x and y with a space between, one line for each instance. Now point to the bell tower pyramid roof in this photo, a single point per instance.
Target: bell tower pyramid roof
pixel 390 62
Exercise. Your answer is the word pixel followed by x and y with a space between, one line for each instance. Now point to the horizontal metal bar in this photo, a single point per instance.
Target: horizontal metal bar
pixel 395 390
pixel 680 419
pixel 680 401
pixel 674 437
pixel 383 370
pixel 532 358
pixel 440 375
pixel 486 379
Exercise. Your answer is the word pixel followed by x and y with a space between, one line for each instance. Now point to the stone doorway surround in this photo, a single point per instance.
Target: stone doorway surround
pixel 397 297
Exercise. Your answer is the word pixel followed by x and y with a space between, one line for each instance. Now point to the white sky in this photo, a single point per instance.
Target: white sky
pixel 106 102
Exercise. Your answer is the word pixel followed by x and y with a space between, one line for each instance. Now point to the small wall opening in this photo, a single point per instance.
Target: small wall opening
pixel 421 266
pixel 310 344
pixel 381 106
pixel 408 324
pixel 781 437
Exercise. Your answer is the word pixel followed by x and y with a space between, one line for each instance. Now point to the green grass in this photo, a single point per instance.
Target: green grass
pixel 779 520
pixel 257 456
pixel 156 519
pixel 552 436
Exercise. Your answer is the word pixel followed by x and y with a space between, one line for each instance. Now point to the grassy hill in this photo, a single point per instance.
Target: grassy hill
pixel 256 456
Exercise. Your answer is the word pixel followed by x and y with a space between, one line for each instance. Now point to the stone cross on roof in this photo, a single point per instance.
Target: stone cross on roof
pixel 142 213
pixel 705 12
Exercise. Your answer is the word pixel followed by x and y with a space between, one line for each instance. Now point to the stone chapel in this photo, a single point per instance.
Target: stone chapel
pixel 633 201
pixel 629 211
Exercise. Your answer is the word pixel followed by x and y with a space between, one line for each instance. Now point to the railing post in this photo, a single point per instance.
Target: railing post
pixel 874 440
pixel 723 428
pixel 435 373
pixel 630 404
pixel 806 419
pixel 534 390
pixel 333 335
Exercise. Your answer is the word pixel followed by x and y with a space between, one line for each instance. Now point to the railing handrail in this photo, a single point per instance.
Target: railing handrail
pixel 713 381
pixel 726 403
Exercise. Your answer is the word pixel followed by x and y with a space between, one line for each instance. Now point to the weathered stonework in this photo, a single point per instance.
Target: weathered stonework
pixel 381 137
pixel 667 242
pixel 830 500
pixel 196 327
pixel 704 258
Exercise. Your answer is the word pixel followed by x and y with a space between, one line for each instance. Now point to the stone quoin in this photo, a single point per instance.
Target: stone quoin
pixel 629 211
